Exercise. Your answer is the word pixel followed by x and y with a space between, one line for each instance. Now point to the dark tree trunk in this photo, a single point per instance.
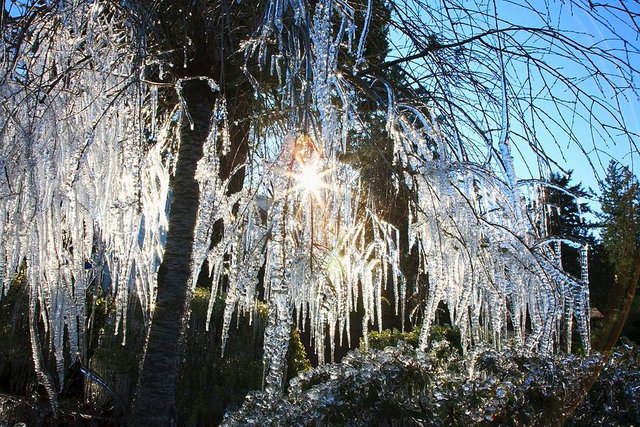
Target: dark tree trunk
pixel 621 297
pixel 155 402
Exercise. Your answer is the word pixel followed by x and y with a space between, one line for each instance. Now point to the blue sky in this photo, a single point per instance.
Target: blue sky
pixel 585 29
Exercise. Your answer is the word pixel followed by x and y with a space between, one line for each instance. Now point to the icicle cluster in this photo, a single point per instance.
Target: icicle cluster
pixel 84 193
pixel 85 184
pixel 497 283
pixel 482 255
pixel 312 242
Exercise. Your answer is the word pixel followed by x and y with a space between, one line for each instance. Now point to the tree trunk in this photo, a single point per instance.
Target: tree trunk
pixel 155 402
pixel 619 305
pixel 608 336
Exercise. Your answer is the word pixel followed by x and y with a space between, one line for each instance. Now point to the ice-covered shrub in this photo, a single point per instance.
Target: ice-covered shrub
pixel 401 384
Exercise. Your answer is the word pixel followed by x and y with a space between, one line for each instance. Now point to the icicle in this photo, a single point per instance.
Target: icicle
pixel 279 321
pixel 43 376
pixel 154 112
pixel 363 36
pixel 582 301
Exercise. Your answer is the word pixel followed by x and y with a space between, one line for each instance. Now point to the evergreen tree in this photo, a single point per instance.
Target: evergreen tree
pixel 620 222
pixel 566 217
pixel 620 217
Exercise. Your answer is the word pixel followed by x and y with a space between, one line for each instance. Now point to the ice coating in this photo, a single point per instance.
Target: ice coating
pixel 87 184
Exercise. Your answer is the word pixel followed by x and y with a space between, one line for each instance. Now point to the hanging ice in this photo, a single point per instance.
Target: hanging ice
pixel 87 181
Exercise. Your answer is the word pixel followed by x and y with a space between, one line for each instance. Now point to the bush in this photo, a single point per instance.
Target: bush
pixel 392 337
pixel 401 385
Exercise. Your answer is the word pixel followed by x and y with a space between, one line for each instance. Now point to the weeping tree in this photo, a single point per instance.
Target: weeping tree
pixel 150 139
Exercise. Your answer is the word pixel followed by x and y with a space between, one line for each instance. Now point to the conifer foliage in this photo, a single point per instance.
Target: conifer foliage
pixel 620 201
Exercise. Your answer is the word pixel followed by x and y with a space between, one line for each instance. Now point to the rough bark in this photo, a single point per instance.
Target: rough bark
pixel 155 402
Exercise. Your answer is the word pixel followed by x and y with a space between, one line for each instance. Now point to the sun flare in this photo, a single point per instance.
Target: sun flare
pixel 310 179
